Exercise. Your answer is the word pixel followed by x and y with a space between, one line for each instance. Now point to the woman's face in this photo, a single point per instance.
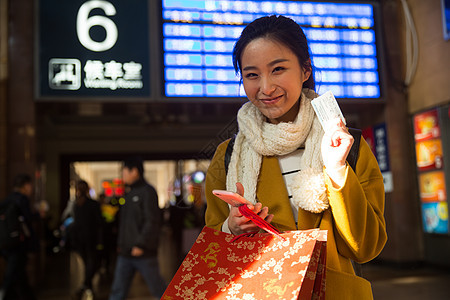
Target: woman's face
pixel 273 79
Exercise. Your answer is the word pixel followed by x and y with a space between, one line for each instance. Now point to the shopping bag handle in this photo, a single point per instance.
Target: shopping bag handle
pixel 236 200
pixel 260 222
pixel 247 234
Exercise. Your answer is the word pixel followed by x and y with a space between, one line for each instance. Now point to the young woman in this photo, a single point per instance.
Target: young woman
pixel 294 172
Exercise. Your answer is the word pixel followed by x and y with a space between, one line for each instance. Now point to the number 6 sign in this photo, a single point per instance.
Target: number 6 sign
pixel 95 49
pixel 85 23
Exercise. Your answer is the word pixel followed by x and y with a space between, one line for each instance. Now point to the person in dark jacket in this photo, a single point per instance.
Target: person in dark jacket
pixel 15 283
pixel 139 228
pixel 86 234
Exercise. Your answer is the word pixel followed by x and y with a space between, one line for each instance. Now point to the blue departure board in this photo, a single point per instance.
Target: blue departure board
pixel 199 35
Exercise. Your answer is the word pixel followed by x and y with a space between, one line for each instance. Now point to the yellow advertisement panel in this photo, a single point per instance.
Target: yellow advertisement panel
pixel 429 154
pixel 432 187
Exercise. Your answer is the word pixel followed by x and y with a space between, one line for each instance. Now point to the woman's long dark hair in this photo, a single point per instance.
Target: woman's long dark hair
pixel 281 29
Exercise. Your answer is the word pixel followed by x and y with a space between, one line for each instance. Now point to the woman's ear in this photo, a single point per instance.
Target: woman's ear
pixel 307 70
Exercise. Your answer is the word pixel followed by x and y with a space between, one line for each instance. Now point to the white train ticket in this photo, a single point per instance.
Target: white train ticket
pixel 327 108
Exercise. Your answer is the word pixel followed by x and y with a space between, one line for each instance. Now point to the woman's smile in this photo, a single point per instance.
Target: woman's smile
pixel 271 101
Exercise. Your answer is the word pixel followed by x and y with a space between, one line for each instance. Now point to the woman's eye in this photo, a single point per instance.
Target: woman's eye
pixel 277 69
pixel 250 75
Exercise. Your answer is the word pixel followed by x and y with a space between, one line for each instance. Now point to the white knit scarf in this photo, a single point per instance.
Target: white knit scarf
pixel 257 138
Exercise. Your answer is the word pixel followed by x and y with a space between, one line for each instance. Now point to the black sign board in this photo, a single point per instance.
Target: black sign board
pixel 93 49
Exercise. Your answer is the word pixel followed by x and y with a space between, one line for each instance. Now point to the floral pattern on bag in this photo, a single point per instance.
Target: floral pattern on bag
pixel 252 267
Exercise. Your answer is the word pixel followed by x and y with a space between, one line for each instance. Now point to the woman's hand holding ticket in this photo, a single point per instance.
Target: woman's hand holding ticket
pixel 336 145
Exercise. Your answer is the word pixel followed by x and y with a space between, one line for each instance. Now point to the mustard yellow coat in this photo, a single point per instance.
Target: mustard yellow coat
pixel 354 220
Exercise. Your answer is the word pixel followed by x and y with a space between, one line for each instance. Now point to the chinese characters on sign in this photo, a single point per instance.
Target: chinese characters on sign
pixel 113 75
pixel 197 40
pixel 376 137
pixel 66 74
pixel 93 48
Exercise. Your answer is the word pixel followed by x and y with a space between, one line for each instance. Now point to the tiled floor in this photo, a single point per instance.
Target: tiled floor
pixel 396 283
pixel 388 283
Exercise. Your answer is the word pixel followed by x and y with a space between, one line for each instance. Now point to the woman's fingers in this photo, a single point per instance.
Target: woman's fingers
pixel 241 224
pixel 264 212
pixel 341 137
pixel 239 188
pixel 336 144
pixel 333 123
pixel 269 218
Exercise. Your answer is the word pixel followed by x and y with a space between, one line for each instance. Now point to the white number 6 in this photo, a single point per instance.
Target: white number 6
pixel 85 23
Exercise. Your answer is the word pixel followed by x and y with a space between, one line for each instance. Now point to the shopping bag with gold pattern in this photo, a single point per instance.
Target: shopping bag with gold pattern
pixel 288 265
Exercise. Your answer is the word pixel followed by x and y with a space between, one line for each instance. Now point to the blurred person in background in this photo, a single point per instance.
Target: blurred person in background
pixel 139 228
pixel 109 213
pixel 86 235
pixel 17 238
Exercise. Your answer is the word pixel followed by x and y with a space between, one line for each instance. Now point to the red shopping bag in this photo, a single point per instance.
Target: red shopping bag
pixel 261 266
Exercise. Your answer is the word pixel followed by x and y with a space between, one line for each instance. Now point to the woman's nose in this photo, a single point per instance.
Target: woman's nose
pixel 267 86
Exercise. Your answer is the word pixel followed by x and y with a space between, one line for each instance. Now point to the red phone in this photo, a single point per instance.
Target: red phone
pixel 236 200
pixel 232 198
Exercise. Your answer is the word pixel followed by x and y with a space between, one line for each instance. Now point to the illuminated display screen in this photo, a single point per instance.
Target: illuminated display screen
pixel 199 35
